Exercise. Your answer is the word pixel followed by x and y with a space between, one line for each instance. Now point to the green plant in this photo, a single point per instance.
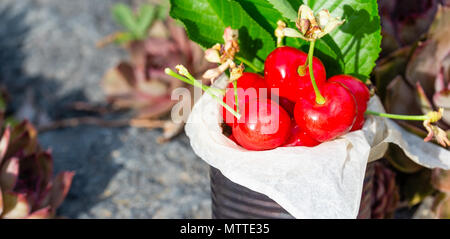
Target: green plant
pixel 139 84
pixel 135 24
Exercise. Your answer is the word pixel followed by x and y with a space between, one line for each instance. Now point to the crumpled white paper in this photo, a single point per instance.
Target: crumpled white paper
pixel 321 182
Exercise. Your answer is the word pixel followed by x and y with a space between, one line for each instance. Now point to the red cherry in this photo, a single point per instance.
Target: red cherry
pixel 287 105
pixel 232 138
pixel 263 126
pixel 361 93
pixel 300 138
pixel 247 81
pixel 281 71
pixel 330 120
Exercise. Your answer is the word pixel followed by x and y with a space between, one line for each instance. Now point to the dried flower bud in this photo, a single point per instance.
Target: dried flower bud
pixel 217 47
pixel 327 23
pixel 212 55
pixel 289 32
pixel 182 70
pixel 230 35
pixel 314 27
pixel 434 131
pixel 236 72
pixel 212 74
pixel 305 13
pixel 231 46
pixel 303 25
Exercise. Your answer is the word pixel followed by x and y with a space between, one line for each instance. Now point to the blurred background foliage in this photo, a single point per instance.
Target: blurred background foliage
pixel 412 77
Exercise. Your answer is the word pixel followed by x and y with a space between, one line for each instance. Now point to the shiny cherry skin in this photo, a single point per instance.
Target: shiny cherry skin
pixel 287 105
pixel 249 85
pixel 298 137
pixel 334 118
pixel 264 125
pixel 361 93
pixel 281 71
pixel 231 137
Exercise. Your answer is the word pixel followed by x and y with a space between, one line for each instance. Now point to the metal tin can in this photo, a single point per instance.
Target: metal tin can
pixel 233 201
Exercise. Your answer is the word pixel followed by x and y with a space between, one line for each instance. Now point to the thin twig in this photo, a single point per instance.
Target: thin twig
pixel 107 40
pixel 146 123
pixel 73 122
pixel 89 107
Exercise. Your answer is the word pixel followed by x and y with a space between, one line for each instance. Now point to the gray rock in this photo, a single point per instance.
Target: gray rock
pixel 48 47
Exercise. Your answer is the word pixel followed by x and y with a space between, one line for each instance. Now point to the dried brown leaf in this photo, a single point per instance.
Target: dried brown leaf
pixel 9 174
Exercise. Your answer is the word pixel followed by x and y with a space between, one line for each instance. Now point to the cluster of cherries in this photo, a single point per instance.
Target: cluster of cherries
pixel 308 112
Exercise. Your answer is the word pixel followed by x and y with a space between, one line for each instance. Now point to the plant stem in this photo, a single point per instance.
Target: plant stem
pixel 399 117
pixel 249 64
pixel 193 82
pixel 236 100
pixel 209 90
pixel 279 42
pixel 319 98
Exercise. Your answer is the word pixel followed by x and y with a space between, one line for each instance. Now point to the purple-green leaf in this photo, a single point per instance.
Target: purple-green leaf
pixel 9 174
pixel 60 188
pixel 44 213
pixel 15 205
pixel 4 141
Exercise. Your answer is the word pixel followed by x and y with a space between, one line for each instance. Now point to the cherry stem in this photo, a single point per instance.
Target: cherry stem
pixel 249 64
pixel 399 117
pixel 279 42
pixel 302 69
pixel 192 81
pixel 319 98
pixel 236 100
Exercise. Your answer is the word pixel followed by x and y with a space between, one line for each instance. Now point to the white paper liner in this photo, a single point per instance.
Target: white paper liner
pixel 321 182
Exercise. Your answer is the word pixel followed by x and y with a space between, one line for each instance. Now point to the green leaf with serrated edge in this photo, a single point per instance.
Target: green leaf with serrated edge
pixel 124 16
pixel 147 14
pixel 284 7
pixel 354 47
pixel 205 21
pixel 263 12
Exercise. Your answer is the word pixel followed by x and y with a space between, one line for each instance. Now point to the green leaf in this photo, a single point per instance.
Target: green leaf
pixel 124 16
pixel 263 12
pixel 354 47
pixel 205 21
pixel 351 49
pixel 147 14
pixel 284 7
pixel 163 10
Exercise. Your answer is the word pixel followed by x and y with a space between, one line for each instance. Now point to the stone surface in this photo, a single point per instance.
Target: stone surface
pixel 47 60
